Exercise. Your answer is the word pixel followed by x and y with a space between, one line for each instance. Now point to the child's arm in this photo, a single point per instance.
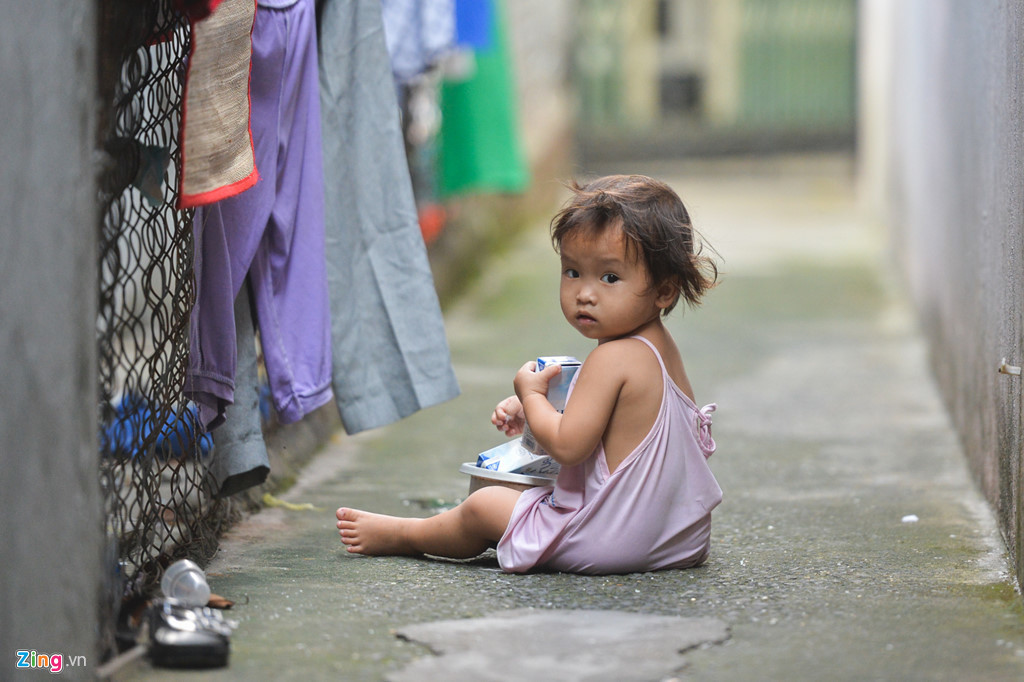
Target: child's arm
pixel 508 416
pixel 570 437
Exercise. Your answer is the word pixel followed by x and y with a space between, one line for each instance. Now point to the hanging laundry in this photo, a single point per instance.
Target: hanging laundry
pixel 272 233
pixel 418 34
pixel 474 21
pixel 138 426
pixel 480 148
pixel 240 459
pixel 217 159
pixel 390 353
pixel 149 180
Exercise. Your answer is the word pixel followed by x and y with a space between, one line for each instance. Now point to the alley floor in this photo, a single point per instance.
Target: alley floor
pixel 851 543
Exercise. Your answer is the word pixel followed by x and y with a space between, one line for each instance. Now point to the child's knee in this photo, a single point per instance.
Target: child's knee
pixel 477 503
pixel 491 507
pixel 486 498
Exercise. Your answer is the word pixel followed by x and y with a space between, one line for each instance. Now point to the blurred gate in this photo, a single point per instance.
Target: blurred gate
pixel 679 77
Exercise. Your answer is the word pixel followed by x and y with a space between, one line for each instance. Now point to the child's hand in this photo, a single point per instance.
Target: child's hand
pixel 508 416
pixel 528 381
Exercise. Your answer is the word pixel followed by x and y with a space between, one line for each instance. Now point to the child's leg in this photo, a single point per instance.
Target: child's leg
pixel 459 533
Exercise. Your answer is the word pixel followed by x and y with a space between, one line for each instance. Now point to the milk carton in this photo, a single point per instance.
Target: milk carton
pixel 513 458
pixel 523 455
pixel 558 388
pixel 558 392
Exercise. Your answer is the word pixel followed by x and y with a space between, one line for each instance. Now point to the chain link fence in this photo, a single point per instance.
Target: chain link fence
pixel 152 455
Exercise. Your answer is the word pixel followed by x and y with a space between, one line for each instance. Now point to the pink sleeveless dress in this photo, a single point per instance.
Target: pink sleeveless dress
pixel 652 512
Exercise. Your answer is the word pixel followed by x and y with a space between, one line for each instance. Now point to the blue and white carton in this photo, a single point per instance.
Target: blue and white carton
pixel 558 393
pixel 511 457
pixel 523 455
pixel 558 388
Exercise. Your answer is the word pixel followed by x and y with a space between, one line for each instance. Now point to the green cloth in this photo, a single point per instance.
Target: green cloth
pixel 479 149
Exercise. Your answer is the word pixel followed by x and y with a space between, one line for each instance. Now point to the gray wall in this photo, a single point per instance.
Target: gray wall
pixel 50 512
pixel 942 138
pixel 539 33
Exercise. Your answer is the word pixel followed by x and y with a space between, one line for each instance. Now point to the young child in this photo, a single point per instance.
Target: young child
pixel 634 492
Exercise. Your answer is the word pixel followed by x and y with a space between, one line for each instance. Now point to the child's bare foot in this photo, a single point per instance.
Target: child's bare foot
pixel 376 534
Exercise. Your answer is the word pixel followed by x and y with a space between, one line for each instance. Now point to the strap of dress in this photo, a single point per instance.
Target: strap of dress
pixel 650 345
pixel 707 443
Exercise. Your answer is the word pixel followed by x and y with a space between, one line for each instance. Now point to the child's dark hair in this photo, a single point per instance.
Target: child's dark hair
pixel 653 220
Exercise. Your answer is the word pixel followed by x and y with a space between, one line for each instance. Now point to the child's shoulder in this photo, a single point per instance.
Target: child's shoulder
pixel 623 356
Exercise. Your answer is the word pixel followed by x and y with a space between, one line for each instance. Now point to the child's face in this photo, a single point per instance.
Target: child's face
pixel 605 293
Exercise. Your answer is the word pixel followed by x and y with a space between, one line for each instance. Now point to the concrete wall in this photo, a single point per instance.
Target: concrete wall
pixel 539 32
pixel 50 517
pixel 942 136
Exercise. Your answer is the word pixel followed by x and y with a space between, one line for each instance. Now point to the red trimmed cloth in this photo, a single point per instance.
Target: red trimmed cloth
pixel 196 9
pixel 217 159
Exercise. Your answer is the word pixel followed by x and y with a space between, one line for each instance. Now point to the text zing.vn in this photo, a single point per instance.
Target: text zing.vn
pixel 52 662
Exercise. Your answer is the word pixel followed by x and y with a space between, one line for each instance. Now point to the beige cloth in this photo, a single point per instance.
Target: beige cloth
pixel 217 154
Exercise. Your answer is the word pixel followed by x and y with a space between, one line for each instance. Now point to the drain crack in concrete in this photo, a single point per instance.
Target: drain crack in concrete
pixel 532 644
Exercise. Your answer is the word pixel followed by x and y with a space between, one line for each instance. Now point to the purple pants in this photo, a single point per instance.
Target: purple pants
pixel 273 233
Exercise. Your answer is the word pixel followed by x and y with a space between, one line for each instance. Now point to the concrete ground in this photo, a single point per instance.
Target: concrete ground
pixel 831 440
